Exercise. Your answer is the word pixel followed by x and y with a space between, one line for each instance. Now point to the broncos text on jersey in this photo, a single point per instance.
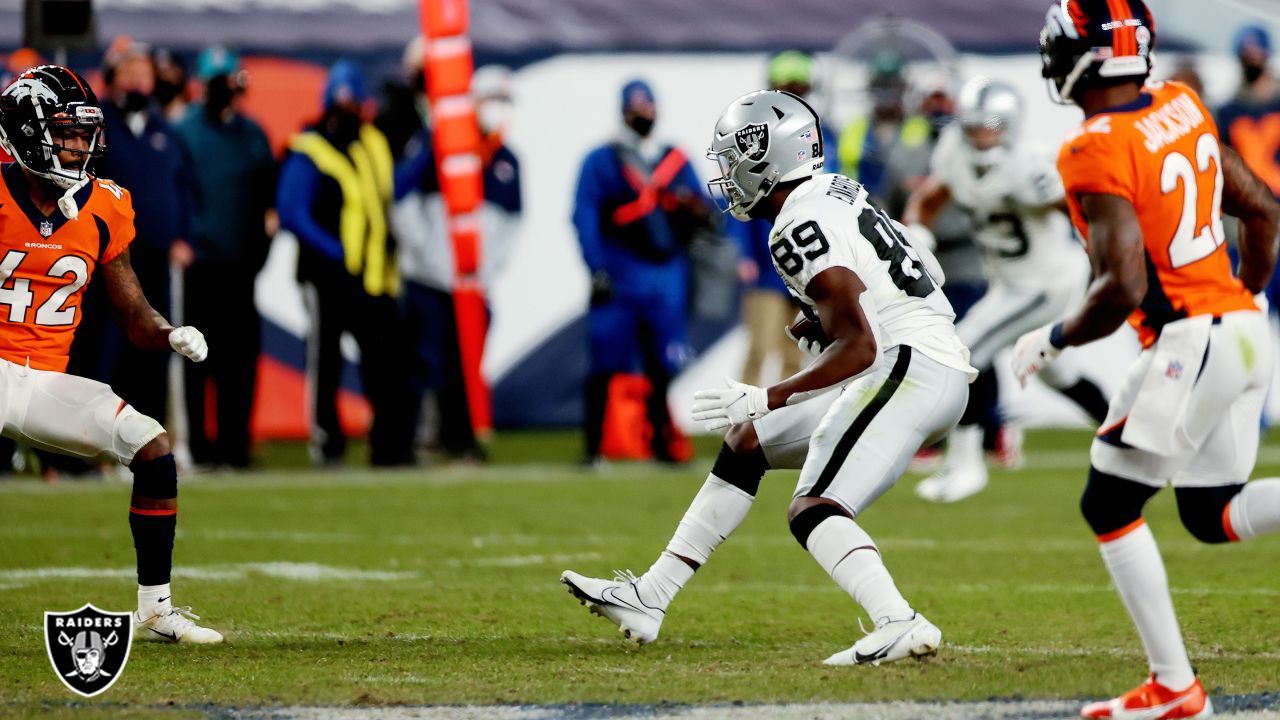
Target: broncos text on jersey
pixel 47 262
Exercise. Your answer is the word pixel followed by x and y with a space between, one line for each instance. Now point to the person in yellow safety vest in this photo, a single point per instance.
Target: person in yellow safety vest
pixel 866 141
pixel 335 192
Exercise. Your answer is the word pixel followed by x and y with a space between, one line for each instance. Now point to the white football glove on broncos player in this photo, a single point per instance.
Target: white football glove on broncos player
pixel 732 405
pixel 189 342
pixel 1035 350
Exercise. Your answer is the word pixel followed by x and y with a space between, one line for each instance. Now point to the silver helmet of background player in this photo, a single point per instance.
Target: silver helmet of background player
pixel 762 139
pixel 989 113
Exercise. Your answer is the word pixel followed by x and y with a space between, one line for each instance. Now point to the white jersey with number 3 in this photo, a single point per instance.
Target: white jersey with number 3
pixel 827 222
pixel 1025 239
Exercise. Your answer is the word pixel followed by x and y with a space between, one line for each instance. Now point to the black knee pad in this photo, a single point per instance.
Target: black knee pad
pixel 1110 502
pixel 741 470
pixel 1201 510
pixel 156 479
pixel 802 525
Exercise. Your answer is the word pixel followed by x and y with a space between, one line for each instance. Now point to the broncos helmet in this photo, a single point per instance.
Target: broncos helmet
pixel 762 139
pixel 36 108
pixel 1095 41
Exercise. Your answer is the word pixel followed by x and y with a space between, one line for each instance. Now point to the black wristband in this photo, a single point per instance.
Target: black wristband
pixel 1055 336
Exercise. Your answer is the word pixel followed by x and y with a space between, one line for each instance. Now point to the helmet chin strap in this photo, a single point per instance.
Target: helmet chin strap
pixel 67 203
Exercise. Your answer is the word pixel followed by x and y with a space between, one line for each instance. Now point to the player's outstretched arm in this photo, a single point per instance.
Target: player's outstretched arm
pixel 1245 196
pixel 145 327
pixel 923 206
pixel 836 292
pixel 1117 254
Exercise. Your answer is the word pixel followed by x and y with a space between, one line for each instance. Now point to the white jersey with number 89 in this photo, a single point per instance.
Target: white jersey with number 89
pixel 829 221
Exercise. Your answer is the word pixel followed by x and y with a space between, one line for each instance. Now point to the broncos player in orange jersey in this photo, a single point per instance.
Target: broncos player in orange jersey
pixel 1147 181
pixel 58 225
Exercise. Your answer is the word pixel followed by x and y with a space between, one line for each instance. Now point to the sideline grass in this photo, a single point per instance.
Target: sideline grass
pixel 439 586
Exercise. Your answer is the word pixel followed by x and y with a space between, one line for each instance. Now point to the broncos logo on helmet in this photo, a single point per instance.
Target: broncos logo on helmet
pixel 38 109
pixel 1093 42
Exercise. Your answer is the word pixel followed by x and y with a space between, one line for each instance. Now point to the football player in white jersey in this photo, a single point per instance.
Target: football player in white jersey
pixel 890 374
pixel 1036 270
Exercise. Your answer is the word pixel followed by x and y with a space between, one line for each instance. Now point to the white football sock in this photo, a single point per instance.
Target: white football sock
pixel 851 558
pixel 1255 510
pixel 964 447
pixel 716 511
pixel 1137 570
pixel 152 596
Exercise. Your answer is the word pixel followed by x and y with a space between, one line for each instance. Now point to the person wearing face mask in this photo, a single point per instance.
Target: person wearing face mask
pixel 171 85
pixel 1250 122
pixel 230 237
pixel 334 194
pixel 443 417
pixel 637 205
pixel 1035 270
pixel 148 157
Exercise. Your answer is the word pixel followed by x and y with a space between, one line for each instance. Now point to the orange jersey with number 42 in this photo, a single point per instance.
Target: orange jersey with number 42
pixel 1162 155
pixel 46 263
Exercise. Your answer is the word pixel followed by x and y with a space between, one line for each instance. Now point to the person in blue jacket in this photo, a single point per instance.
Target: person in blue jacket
pixel 638 202
pixel 334 194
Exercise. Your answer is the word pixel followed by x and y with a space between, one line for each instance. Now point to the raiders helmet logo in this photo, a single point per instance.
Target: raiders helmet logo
pixel 753 140
pixel 88 647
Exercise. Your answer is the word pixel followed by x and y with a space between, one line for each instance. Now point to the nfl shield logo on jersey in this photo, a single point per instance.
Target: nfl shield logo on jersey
pixel 753 140
pixel 88 647
pixel 46 228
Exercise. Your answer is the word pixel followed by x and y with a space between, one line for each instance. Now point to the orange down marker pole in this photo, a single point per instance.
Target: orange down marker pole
pixel 448 69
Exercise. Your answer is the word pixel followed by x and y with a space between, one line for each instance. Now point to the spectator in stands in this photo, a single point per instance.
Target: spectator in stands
pixel 149 159
pixel 428 267
pixel 867 141
pixel 335 190
pixel 638 202
pixel 229 236
pixel 171 85
pixel 1250 122
pixel 767 307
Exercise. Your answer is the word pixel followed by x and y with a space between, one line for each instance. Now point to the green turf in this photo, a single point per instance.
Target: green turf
pixel 467 608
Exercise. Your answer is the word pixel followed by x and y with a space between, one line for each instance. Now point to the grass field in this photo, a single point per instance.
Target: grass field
pixel 440 587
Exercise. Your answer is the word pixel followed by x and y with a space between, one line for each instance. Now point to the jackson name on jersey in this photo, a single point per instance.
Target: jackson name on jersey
pixel 828 221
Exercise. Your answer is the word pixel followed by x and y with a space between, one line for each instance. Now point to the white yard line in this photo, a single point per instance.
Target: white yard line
pixel 988 710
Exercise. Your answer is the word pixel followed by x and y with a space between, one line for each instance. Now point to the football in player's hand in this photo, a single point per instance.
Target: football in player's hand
pixel 804 328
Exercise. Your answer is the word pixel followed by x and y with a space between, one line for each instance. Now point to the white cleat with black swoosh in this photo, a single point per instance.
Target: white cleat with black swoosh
pixel 618 601
pixel 172 625
pixel 891 641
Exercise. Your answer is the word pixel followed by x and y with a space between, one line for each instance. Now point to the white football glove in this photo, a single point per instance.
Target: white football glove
pixel 190 343
pixel 1033 353
pixel 733 405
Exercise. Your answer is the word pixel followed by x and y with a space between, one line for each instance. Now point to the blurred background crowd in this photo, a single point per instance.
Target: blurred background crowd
pixel 289 204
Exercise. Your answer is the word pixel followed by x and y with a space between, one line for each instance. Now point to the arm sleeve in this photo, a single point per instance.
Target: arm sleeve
pixel 298 179
pixel 586 213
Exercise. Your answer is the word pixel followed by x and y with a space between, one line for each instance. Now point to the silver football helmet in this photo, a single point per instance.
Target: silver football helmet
pixel 762 139
pixel 986 104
